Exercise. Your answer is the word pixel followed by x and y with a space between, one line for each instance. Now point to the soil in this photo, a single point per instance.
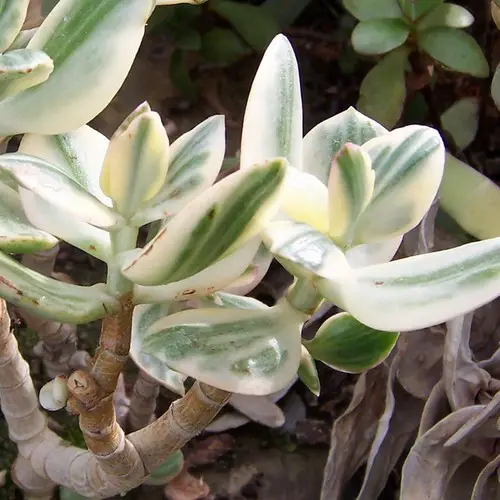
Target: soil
pixel 261 463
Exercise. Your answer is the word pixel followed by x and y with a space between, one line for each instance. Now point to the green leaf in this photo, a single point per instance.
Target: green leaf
pixel 379 36
pixel 223 46
pixel 408 164
pixel 414 9
pixel 189 40
pixel 169 469
pixel 454 49
pixel 303 251
pixel 461 120
pixel 17 235
pixel 495 87
pixel 253 352
pixel 255 24
pixel 195 161
pixel 215 277
pixel 421 291
pixel 326 139
pixel 93 46
pixel 285 14
pixel 144 316
pixel 471 199
pixel 179 74
pixel 272 125
pixel 136 162
pixel 21 69
pixel 308 372
pixel 53 185
pixel 350 188
pixel 447 14
pixel 50 298
pixel 79 154
pixel 211 226
pixel 383 90
pixel 12 16
pixel 345 344
pixel 366 10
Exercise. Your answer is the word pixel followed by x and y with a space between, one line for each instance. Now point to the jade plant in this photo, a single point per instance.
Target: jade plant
pixel 410 36
pixel 331 207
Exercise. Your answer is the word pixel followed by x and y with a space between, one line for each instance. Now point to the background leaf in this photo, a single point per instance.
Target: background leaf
pixel 379 36
pixel 383 90
pixel 461 120
pixel 366 10
pixel 223 46
pixel 455 49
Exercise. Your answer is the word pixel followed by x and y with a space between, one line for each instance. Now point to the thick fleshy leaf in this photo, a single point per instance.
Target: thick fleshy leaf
pixel 345 344
pixel 383 90
pixel 260 409
pixel 455 49
pixel 272 125
pixel 379 36
pixel 215 277
pixel 50 298
pixel 22 39
pixel 50 218
pixel 373 253
pixel 420 291
pixel 408 164
pixel 170 468
pixel 416 8
pixel 50 183
pixel 365 10
pixel 136 162
pixel 230 301
pixel 195 161
pixel 461 120
pixel 446 14
pixel 253 274
pixel 54 394
pixel 495 87
pixel 350 188
pixel 470 198
pixel 12 16
pixel 248 352
pixel 305 199
pixel 211 226
pixel 488 481
pixel 303 251
pixel 79 154
pixel 326 139
pixel 17 235
pixel 144 316
pixel 22 69
pixel 92 47
pixel 308 372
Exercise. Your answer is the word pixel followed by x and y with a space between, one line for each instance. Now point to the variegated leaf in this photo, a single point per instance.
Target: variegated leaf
pixel 420 291
pixel 345 344
pixel 272 125
pixel 144 316
pixel 230 301
pixel 53 185
pixel 408 164
pixel 92 46
pixel 22 39
pixel 326 139
pixel 12 16
pixel 308 372
pixel 373 253
pixel 136 162
pixel 213 278
pixel 303 251
pixel 244 351
pixel 79 154
pixel 211 226
pixel 50 218
pixel 350 188
pixel 470 198
pixel 17 235
pixel 195 161
pixel 305 199
pixel 22 69
pixel 50 298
